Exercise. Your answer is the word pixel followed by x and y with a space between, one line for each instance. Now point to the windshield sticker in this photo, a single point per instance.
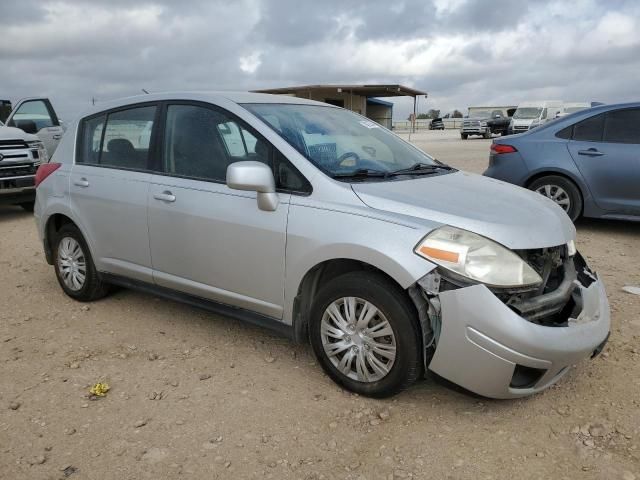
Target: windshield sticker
pixel 368 124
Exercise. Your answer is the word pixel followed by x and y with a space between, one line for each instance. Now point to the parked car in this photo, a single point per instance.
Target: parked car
pixel 476 125
pixel 36 116
pixel 498 123
pixel 484 123
pixel 20 155
pixel 532 114
pixel 319 223
pixel 436 124
pixel 587 162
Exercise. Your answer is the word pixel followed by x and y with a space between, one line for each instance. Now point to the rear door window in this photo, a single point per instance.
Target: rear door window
pixel 127 138
pixel 589 130
pixel 622 126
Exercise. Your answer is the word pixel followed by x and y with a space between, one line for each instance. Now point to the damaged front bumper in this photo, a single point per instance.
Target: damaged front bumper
pixel 496 350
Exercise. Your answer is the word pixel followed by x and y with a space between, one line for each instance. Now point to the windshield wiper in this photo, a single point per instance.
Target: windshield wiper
pixel 420 168
pixel 362 173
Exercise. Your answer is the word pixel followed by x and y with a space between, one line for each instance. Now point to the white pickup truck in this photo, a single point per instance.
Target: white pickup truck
pixel 29 137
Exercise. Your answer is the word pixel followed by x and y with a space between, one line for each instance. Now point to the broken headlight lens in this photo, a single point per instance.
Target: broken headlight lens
pixel 476 258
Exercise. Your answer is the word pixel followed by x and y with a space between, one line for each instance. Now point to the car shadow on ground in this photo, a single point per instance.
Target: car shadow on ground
pixel 11 212
pixel 426 389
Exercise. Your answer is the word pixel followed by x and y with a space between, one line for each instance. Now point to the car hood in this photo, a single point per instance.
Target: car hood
pixel 512 216
pixel 12 133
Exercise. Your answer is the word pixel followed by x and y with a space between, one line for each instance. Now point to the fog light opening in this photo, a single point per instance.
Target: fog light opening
pixel 526 377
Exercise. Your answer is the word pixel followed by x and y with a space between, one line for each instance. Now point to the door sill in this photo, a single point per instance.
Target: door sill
pixel 236 313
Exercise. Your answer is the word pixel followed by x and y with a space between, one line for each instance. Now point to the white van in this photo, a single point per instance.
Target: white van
pixel 531 114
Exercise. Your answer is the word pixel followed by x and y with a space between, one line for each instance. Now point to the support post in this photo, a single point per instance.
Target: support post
pixel 415 99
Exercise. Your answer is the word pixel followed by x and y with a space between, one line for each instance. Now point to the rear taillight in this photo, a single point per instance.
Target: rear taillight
pixel 499 148
pixel 44 170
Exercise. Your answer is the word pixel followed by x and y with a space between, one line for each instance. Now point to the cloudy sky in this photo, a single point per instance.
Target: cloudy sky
pixel 463 52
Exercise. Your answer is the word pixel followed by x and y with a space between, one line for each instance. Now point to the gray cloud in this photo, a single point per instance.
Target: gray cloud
pixel 462 52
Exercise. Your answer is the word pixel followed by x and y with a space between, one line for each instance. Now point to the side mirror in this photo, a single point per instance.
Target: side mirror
pixel 254 177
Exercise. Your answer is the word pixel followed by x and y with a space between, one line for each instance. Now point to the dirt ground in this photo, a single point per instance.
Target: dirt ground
pixel 199 396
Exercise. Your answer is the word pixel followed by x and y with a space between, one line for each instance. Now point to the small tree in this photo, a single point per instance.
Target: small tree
pixel 423 116
pixel 457 114
pixel 433 113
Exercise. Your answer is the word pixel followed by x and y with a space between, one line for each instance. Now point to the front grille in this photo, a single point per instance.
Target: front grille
pixel 18 170
pixel 522 128
pixel 12 144
pixel 471 123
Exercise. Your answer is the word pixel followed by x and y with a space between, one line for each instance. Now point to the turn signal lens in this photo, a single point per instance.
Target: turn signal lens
pixel 499 148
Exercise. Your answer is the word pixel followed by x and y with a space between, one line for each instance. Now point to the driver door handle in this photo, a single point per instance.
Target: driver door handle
pixel 83 182
pixel 590 152
pixel 165 196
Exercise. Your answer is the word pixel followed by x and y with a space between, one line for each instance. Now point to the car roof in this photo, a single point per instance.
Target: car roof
pixel 203 96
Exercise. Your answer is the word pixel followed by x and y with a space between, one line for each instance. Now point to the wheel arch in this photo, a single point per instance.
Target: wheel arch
pixel 319 275
pixel 584 192
pixel 53 225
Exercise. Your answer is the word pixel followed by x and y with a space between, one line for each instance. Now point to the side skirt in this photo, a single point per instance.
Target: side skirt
pixel 236 313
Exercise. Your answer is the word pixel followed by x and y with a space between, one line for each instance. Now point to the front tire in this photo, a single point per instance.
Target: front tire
pixel 76 273
pixel 464 136
pixel 562 191
pixel 365 334
pixel 27 206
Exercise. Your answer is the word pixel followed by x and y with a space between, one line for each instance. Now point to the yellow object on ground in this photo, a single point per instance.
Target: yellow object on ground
pixel 99 389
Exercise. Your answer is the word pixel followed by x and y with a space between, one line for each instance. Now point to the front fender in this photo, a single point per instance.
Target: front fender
pixel 315 236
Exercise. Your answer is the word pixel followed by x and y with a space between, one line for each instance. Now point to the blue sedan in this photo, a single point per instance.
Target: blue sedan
pixel 587 162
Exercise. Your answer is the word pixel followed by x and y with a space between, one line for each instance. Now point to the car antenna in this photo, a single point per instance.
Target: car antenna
pixel 144 91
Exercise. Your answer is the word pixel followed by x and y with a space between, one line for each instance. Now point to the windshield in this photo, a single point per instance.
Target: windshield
pixel 527 113
pixel 338 141
pixel 481 114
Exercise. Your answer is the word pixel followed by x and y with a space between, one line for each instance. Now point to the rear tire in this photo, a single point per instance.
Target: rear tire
pixel 357 344
pixel 76 273
pixel 562 191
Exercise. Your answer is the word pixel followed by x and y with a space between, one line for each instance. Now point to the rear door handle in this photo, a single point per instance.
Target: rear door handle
pixel 165 196
pixel 57 136
pixel 83 182
pixel 590 152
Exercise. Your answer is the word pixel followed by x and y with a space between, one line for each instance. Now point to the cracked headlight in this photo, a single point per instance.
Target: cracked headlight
pixel 476 258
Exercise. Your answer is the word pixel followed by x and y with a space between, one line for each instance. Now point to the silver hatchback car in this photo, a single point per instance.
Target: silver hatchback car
pixel 321 224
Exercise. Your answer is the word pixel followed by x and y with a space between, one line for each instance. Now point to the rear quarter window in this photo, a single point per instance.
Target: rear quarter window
pixel 589 130
pixel 91 138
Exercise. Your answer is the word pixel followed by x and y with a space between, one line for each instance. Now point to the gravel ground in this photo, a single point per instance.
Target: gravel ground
pixel 199 396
